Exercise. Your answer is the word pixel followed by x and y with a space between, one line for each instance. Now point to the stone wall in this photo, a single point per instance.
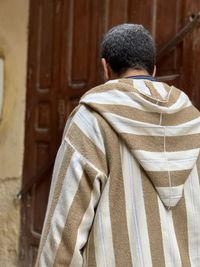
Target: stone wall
pixel 13 48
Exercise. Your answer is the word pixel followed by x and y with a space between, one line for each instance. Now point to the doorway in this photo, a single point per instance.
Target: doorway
pixel 63 63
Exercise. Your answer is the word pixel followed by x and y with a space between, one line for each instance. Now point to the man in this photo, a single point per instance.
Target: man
pixel 125 189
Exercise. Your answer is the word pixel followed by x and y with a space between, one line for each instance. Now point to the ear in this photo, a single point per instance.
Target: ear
pixel 154 71
pixel 105 69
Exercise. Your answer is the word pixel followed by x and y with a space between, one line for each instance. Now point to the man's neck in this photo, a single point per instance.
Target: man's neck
pixel 130 72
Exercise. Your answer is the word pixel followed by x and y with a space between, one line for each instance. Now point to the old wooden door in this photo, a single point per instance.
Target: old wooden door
pixel 63 63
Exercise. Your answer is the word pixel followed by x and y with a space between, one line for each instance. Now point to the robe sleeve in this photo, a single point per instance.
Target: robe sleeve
pixel 74 195
pixel 78 179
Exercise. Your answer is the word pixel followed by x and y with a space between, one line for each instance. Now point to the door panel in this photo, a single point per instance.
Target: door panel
pixel 190 79
pixel 143 12
pixel 64 62
pixel 117 12
pixel 166 29
pixel 80 39
pixel 42 119
pixel 80 42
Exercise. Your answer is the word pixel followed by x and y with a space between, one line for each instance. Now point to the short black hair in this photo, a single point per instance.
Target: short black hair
pixel 129 46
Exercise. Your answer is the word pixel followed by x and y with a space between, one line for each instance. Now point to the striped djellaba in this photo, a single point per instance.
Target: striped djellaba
pixel 125 189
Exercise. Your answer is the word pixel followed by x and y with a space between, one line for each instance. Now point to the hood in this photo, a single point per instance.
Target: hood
pixel 158 124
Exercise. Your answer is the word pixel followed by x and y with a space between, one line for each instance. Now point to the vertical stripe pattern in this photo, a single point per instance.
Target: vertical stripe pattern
pixel 125 189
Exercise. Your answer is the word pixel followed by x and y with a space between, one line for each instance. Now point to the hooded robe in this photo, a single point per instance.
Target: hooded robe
pixel 125 190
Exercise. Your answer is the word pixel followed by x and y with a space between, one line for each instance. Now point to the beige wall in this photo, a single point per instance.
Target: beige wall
pixel 13 47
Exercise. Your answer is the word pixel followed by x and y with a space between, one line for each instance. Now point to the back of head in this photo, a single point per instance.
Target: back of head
pixel 128 46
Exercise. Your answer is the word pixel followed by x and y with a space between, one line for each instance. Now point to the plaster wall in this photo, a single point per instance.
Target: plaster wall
pixel 13 48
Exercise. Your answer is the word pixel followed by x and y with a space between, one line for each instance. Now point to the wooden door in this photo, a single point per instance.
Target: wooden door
pixel 43 125
pixel 63 63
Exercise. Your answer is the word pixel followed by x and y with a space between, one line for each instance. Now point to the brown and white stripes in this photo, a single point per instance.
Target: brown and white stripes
pixel 125 189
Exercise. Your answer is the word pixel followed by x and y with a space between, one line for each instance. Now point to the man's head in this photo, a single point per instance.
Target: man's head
pixel 128 47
